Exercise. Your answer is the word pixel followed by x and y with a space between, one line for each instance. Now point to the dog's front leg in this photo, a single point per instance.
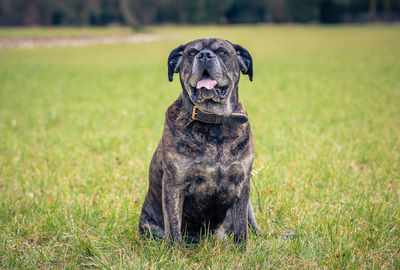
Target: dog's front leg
pixel 240 216
pixel 172 203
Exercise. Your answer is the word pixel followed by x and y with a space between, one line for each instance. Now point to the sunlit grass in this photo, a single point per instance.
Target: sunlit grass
pixel 36 32
pixel 78 128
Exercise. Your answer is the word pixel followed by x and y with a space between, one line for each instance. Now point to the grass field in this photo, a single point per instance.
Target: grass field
pixel 79 125
pixel 40 32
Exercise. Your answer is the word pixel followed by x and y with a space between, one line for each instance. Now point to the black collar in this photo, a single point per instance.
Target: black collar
pixel 211 118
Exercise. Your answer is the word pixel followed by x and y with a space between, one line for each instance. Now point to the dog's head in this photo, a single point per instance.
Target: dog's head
pixel 209 70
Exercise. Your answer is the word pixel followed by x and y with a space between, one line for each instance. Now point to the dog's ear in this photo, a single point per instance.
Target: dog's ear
pixel 245 60
pixel 174 61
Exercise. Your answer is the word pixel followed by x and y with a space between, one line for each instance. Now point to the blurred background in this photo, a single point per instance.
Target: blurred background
pixel 145 12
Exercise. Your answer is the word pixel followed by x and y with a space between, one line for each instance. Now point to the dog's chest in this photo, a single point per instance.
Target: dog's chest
pixel 211 189
pixel 214 182
pixel 213 143
pixel 214 167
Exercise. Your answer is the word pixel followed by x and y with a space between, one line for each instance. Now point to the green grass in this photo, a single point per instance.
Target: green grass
pixel 79 125
pixel 42 32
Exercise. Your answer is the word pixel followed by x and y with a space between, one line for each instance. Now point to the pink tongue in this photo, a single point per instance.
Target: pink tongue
pixel 206 83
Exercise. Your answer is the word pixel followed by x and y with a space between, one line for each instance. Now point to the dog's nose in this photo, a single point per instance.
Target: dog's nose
pixel 205 54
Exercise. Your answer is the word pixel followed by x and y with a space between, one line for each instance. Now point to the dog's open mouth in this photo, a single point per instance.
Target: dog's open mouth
pixel 208 88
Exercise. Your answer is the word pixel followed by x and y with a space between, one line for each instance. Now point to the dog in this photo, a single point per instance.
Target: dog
pixel 199 176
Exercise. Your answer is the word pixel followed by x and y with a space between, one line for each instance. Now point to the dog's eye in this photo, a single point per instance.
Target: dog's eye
pixel 192 53
pixel 221 52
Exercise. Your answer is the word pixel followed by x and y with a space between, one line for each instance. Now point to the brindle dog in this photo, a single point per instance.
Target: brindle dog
pixel 200 172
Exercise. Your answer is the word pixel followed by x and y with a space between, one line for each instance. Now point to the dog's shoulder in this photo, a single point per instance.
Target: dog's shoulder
pixel 240 109
pixel 176 116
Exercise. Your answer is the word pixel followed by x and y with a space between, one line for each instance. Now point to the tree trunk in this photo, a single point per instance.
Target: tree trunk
pixel 372 10
pixel 129 17
pixel 387 10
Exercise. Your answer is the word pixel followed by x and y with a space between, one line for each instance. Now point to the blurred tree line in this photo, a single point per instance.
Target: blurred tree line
pixel 144 12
